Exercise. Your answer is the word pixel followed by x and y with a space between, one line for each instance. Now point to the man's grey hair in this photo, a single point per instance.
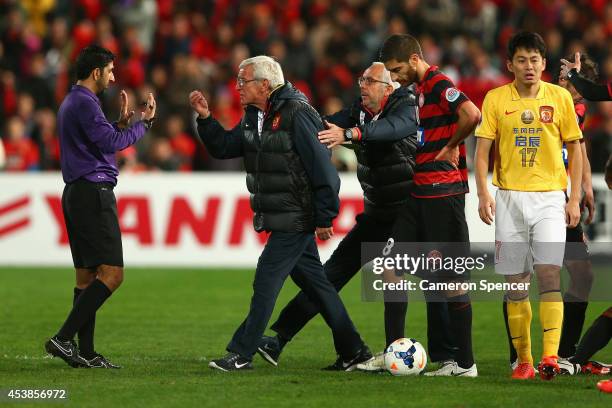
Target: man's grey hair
pixel 386 75
pixel 265 67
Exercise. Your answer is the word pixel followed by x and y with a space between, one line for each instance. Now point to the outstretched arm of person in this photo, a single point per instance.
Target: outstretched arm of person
pixel 221 143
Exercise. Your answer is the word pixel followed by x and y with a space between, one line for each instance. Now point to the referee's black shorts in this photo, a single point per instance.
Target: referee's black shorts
pixel 90 213
pixel 440 225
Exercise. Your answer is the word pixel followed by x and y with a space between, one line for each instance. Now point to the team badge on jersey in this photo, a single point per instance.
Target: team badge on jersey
pixel 546 114
pixel 276 121
pixel 452 94
pixel 527 117
pixel 421 100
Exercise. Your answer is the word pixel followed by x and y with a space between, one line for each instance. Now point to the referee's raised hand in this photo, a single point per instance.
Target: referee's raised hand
pixel 150 106
pixel 125 114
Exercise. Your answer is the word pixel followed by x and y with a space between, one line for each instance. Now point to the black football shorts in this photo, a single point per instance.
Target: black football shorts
pixel 90 214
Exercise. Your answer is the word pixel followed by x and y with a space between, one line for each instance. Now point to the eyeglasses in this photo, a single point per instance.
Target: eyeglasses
pixel 369 81
pixel 242 81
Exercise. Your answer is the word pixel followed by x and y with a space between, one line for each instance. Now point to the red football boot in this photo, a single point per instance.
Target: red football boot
pixel 523 371
pixel 548 368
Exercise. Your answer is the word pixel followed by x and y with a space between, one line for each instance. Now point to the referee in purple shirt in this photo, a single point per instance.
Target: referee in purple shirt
pixel 88 143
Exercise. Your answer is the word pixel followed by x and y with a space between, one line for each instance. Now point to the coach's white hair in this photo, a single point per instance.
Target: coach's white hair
pixel 265 67
pixel 386 75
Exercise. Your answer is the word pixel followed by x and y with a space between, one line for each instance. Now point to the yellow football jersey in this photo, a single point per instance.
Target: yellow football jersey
pixel 529 135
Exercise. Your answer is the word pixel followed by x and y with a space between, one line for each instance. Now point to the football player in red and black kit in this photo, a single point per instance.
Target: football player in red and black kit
pixel 435 213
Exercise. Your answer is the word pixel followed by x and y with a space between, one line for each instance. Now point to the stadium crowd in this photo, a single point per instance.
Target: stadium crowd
pixel 170 47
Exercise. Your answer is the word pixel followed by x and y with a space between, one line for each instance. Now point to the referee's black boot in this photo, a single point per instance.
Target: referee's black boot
pixel 364 354
pixel 231 362
pixel 67 350
pixel 99 361
pixel 269 349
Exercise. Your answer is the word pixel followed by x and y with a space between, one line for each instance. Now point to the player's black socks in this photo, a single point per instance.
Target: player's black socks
pixel 85 308
pixel 513 355
pixel 86 333
pixel 395 320
pixel 595 338
pixel 574 311
pixel 460 313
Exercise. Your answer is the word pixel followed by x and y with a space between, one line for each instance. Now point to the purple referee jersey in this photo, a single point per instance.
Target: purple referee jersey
pixel 88 141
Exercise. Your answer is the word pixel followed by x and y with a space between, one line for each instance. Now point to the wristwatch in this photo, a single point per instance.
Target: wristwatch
pixel 348 134
pixel 571 72
pixel 148 123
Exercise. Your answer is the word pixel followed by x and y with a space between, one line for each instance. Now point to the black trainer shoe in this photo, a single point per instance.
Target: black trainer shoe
pixel 99 361
pixel 269 349
pixel 231 362
pixel 66 350
pixel 363 355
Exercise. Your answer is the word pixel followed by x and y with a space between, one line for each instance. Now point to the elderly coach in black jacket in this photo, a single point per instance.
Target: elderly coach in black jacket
pixel 294 192
pixel 381 128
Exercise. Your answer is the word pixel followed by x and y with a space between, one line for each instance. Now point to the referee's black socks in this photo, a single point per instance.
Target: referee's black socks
pixel 84 309
pixel 86 333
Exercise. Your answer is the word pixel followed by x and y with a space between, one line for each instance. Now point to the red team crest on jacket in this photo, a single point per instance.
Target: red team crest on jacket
pixel 276 121
pixel 546 114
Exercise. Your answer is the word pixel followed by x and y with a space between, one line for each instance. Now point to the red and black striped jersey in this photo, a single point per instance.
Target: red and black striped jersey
pixel 580 108
pixel 439 101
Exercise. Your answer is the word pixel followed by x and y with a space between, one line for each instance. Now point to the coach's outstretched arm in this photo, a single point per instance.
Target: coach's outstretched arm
pixel 589 90
pixel 221 143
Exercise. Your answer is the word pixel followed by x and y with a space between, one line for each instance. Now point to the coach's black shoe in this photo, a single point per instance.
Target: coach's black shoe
pixel 363 355
pixel 66 350
pixel 269 349
pixel 99 361
pixel 231 362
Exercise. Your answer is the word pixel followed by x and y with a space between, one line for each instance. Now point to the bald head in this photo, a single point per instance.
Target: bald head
pixel 375 85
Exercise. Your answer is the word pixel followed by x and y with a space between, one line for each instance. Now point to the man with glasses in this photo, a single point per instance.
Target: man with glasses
pixel 381 128
pixel 294 193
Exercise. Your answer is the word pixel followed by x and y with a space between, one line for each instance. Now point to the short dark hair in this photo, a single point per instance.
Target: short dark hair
pixel 527 40
pixel 400 47
pixel 588 67
pixel 90 58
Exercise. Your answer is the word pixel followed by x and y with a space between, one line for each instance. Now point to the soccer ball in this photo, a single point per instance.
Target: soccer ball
pixel 405 357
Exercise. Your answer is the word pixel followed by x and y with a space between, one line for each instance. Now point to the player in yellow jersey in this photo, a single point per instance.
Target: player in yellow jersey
pixel 529 120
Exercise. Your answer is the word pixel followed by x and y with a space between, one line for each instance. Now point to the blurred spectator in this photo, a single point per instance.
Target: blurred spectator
pixel 45 137
pixel 21 153
pixel 37 85
pixel 172 47
pixel 2 156
pixel 140 15
pixel 161 155
pixel 25 111
pixel 183 145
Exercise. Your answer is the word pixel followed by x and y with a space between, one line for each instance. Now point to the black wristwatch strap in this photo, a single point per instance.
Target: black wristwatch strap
pixel 148 123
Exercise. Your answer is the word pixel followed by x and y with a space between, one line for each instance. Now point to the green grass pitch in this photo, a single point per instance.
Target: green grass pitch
pixel 165 325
